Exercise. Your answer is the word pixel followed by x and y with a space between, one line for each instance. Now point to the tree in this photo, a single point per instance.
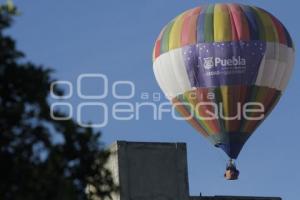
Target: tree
pixel 33 165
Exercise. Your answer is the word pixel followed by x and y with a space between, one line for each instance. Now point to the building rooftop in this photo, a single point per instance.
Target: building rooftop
pixel 156 171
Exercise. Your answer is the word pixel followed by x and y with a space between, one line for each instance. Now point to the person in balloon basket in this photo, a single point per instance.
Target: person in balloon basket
pixel 231 172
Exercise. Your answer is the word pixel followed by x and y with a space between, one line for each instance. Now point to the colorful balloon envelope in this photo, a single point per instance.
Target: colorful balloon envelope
pixel 224 67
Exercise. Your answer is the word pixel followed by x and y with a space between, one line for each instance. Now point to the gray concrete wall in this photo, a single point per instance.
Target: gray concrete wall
pixel 151 171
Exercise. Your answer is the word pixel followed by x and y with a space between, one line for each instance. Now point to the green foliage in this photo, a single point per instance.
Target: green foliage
pixel 34 165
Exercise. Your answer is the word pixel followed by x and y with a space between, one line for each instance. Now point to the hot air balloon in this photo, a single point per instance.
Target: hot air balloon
pixel 224 67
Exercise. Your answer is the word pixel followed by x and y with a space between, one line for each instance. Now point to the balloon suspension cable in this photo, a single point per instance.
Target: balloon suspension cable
pixel 231 162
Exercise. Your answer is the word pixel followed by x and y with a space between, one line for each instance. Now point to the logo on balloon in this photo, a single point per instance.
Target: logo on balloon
pixel 211 62
pixel 208 62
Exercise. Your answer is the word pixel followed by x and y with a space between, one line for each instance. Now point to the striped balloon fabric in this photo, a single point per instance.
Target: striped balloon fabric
pixel 217 59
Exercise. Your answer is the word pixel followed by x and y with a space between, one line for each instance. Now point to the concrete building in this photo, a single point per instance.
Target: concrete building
pixel 155 171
